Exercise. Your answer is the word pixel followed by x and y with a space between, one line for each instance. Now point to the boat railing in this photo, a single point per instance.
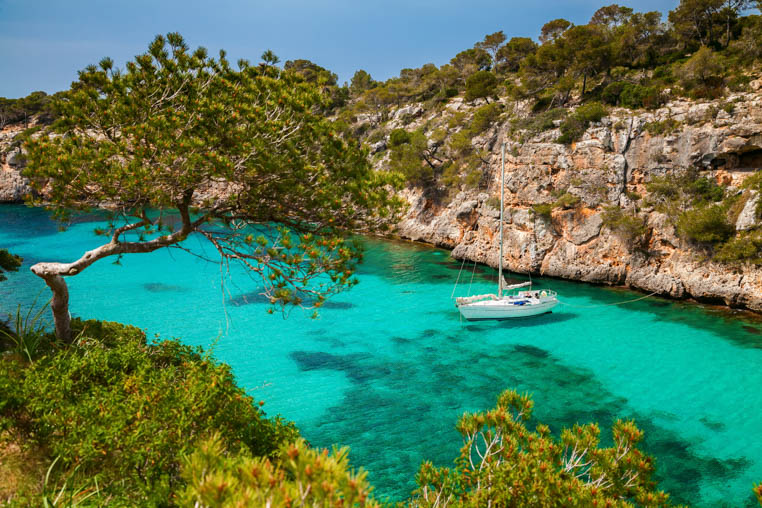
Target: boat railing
pixel 472 299
pixel 542 294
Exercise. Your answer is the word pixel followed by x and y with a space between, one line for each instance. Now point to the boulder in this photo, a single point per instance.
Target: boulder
pixel 412 110
pixel 379 146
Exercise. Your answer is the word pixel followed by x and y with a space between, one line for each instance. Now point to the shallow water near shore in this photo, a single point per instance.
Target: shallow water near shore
pixel 389 366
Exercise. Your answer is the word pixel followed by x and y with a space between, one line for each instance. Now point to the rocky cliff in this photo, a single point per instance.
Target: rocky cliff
pixel 13 186
pixel 610 165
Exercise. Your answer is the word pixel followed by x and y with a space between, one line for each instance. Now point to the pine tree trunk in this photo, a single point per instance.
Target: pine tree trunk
pixel 59 305
pixel 53 273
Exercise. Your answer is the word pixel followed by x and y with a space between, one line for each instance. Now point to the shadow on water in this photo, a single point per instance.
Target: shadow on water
pixel 160 287
pixel 544 319
pixel 257 298
pixel 352 365
pixel 531 350
pixel 27 222
pixel 420 395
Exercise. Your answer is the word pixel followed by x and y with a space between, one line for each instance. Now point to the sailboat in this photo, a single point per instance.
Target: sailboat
pixel 515 303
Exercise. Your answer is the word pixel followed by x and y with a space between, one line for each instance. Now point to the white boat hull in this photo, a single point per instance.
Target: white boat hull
pixel 505 309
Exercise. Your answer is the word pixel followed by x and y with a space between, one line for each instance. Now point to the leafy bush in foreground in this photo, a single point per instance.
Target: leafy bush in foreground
pixel 304 475
pixel 114 410
pixel 502 463
pixel 124 423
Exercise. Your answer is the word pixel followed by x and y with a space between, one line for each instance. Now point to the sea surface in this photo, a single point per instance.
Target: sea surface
pixel 388 366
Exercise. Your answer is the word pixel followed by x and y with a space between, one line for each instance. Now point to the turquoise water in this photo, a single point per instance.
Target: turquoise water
pixel 388 366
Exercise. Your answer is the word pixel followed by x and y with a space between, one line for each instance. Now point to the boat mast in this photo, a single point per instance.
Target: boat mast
pixel 502 194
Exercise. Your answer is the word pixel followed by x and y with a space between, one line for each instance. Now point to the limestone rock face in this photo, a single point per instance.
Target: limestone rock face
pixel 379 146
pixel 408 111
pixel 13 186
pixel 609 166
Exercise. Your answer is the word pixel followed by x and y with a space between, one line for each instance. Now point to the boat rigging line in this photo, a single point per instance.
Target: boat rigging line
pixel 608 304
pixel 458 279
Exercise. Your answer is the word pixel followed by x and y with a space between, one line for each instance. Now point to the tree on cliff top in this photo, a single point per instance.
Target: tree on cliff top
pixel 156 139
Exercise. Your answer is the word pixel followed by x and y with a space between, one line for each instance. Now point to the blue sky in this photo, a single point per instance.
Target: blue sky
pixel 43 43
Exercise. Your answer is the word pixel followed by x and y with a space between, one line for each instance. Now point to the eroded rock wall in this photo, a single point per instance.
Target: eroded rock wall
pixel 613 161
pixel 13 186
pixel 609 165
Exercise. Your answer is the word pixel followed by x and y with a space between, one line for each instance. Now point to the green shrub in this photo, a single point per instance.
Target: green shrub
pixel 746 247
pixel 456 120
pixel 459 144
pixel 567 200
pixel 484 117
pixel 218 478
pixel 23 109
pixel 481 84
pixel 375 136
pixel 26 337
pixel 706 189
pixel 543 209
pixel 701 74
pixel 662 127
pixel 493 202
pixel 516 466
pixel 473 178
pixel 627 225
pixel 673 194
pixel 540 122
pixel 408 157
pixel 120 412
pixel 399 137
pixel 664 74
pixel 610 94
pixel 450 174
pixel 740 83
pixel 631 95
pixel 705 224
pixel 637 96
pixel 576 124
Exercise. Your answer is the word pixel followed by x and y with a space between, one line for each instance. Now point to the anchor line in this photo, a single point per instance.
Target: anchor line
pixel 472 279
pixel 458 279
pixel 607 304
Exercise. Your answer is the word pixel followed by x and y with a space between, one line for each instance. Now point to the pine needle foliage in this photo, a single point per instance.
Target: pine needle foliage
pixel 224 149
